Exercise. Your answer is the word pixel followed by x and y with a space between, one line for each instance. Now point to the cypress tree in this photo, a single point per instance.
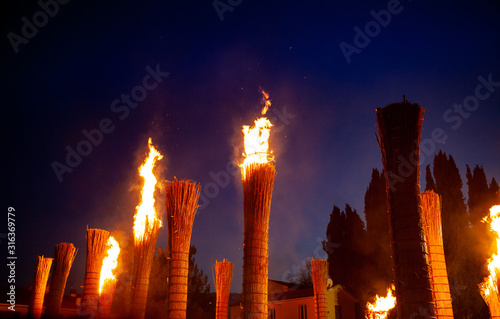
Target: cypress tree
pixel 379 264
pixel 429 181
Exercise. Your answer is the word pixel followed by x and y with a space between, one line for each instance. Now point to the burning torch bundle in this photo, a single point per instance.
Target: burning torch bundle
pixel 107 280
pixel 146 229
pixel 97 240
pixel 489 289
pixel 258 175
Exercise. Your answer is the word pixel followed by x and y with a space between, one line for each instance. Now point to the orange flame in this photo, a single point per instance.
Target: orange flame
pixel 490 283
pixel 265 101
pixel 146 213
pixel 256 138
pixel 380 308
pixel 109 263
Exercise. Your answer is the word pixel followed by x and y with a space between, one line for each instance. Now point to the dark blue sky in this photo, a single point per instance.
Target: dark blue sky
pixel 67 76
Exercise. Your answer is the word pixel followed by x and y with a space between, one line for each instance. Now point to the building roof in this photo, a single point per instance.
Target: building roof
pixel 292 294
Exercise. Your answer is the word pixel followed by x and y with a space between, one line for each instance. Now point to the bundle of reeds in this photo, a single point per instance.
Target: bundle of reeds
pixel 258 182
pixel 96 250
pixel 399 126
pixel 40 277
pixel 490 295
pixel 181 205
pixel 144 251
pixel 223 277
pixel 431 210
pixel 65 254
pixel 319 269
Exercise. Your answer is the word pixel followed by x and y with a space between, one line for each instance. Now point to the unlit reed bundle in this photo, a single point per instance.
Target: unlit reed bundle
pixel 106 298
pixel 181 205
pixel 431 217
pixel 399 126
pixel 144 251
pixel 40 277
pixel 223 277
pixel 97 240
pixel 491 297
pixel 65 254
pixel 258 182
pixel 319 270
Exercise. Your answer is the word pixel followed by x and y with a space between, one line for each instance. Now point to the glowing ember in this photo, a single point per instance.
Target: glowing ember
pixel 380 308
pixel 256 138
pixel 109 263
pixel 490 284
pixel 146 210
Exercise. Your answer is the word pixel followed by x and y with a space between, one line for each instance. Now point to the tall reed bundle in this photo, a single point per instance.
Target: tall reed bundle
pixel 181 205
pixel 106 298
pixel 42 271
pixel 431 210
pixel 65 254
pixel 258 182
pixel 223 275
pixel 399 126
pixel 96 251
pixel 144 251
pixel 319 270
pixel 490 295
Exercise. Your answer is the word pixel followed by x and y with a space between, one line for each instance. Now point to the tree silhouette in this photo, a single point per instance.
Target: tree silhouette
pixel 201 303
pixel 346 249
pixel 429 181
pixel 303 277
pixel 378 243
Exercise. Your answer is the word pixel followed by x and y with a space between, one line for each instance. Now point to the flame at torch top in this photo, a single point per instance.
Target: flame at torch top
pixel 265 101
pixel 256 138
pixel 380 308
pixel 146 213
pixel 109 263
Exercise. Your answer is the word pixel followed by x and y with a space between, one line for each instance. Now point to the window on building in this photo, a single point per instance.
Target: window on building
pixel 272 314
pixel 338 313
pixel 302 312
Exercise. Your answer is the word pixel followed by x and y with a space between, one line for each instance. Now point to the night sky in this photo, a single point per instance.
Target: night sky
pixel 196 74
